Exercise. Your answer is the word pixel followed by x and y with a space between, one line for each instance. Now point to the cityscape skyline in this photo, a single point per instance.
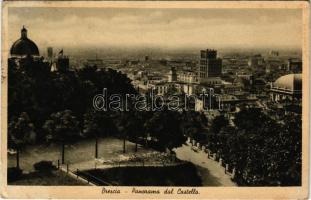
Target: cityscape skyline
pixel 155 96
pixel 159 28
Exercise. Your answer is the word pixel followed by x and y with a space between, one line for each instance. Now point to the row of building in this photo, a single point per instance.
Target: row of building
pixel 192 78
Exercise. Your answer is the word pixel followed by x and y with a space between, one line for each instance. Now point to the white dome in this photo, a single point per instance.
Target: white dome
pixel 290 82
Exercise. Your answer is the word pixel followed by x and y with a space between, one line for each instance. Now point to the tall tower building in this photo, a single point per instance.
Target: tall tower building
pixel 62 62
pixel 210 65
pixel 172 75
pixel 50 52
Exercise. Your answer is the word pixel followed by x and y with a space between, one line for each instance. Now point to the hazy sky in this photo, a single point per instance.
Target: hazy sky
pixel 167 28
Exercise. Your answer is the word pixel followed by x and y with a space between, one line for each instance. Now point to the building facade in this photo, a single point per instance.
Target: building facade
pixel 294 65
pixel 24 46
pixel 172 76
pixel 210 65
pixel 188 77
pixel 24 54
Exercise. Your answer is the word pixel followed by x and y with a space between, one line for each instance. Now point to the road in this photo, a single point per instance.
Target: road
pixel 210 171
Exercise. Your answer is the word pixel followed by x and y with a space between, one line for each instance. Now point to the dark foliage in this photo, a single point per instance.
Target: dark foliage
pixel 264 152
pixel 14 174
pixel 194 125
pixel 44 166
pixel 59 108
pixel 165 128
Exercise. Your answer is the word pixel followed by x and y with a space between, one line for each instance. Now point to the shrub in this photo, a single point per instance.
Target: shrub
pixel 14 173
pixel 44 166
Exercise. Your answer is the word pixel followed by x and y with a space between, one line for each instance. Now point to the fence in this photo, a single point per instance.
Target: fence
pixel 197 147
pixel 81 175
pixel 91 179
pixel 137 164
pixel 88 178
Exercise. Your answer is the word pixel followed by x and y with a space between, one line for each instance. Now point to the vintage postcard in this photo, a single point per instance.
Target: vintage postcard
pixel 155 99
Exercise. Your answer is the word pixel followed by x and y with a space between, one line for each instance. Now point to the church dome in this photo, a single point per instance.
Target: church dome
pixel 24 46
pixel 291 82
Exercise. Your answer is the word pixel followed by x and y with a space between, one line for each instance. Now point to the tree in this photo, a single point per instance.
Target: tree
pixel 165 128
pixel 124 122
pixel 269 154
pixel 97 124
pixel 29 82
pixel 20 132
pixel 203 119
pixel 134 126
pixel 62 127
pixel 218 123
pixel 289 150
pixel 249 118
pixel 194 124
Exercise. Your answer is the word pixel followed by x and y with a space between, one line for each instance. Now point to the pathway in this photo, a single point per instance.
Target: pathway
pixel 79 155
pixel 210 171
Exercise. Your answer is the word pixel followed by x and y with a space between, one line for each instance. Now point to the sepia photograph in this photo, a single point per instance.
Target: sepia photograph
pixel 164 98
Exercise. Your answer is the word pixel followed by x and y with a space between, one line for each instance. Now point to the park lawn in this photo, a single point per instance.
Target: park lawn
pixel 53 178
pixel 180 175
pixel 76 153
